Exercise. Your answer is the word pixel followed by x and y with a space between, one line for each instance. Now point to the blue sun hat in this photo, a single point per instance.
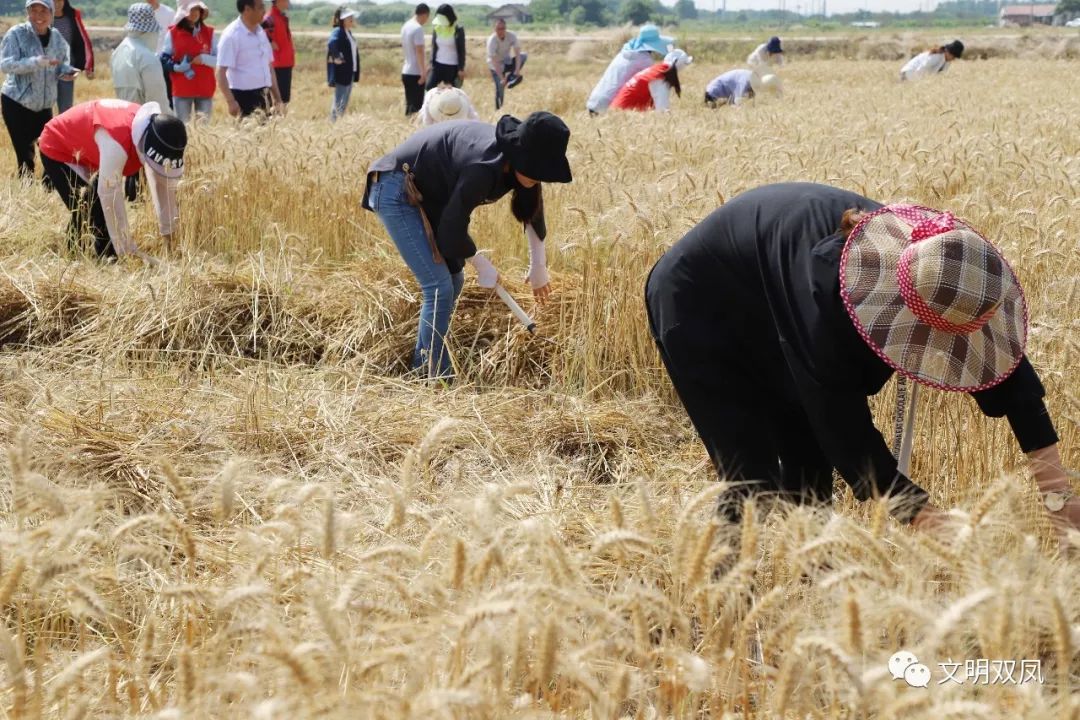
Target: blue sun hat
pixel 649 38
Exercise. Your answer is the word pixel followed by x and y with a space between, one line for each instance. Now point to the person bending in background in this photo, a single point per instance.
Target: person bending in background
pixel 635 56
pixel 446 102
pixel 734 86
pixel 932 61
pixel 342 61
pixel 113 139
pixel 447 49
pixel 191 56
pixel 425 190
pixel 69 23
pixel 651 88
pixel 414 70
pixel 245 71
pixel 780 312
pixel 505 68
pixel 34 56
pixel 766 56
pixel 276 26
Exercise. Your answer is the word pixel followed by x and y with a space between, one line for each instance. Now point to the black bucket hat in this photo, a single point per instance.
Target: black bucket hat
pixel 535 146
pixel 164 144
pixel 955 48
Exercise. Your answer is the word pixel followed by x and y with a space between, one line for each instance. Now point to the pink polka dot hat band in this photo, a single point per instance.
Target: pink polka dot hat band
pixel 933 298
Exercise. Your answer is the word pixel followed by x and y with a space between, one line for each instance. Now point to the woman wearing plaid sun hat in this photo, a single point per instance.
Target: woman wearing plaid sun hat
pixel 779 313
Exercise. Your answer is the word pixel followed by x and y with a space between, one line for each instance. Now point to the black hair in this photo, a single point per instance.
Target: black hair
pixel 448 11
pixel 337 15
pixel 526 203
pixel 671 77
pixel 422 9
pixel 242 4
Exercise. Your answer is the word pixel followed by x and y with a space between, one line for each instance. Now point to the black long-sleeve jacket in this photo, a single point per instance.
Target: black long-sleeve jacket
pixel 774 253
pixel 457 167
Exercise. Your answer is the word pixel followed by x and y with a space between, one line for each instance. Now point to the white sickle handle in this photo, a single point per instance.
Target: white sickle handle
pixel 520 314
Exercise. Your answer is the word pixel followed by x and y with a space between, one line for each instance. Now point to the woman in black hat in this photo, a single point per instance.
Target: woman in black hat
pixel 425 190
pixel 780 312
pixel 932 61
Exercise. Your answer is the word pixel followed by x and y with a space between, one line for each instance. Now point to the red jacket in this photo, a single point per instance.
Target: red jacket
pixel 82 50
pixel 635 94
pixel 69 137
pixel 276 26
pixel 187 45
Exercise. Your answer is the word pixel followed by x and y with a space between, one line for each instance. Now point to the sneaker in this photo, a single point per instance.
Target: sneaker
pixel 514 81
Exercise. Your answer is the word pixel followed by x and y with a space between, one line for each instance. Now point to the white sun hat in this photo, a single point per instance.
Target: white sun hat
pixel 448 103
pixel 678 59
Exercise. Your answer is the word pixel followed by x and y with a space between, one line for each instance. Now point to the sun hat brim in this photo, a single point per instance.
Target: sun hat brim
pixel 871 293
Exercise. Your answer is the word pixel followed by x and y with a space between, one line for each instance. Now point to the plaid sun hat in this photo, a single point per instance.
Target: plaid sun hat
pixel 141 19
pixel 933 298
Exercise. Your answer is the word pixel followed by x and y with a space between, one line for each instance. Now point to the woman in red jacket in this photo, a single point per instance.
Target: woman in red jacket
pixel 651 88
pixel 190 53
pixel 68 22
pixel 276 27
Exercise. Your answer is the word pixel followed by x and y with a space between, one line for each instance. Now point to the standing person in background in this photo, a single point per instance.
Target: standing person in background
pixel 68 22
pixel 34 56
pixel 651 88
pixel 111 139
pixel 766 56
pixel 447 49
pixel 414 70
pixel 505 70
pixel 276 26
pixel 165 19
pixel 245 71
pixel 342 61
pixel 932 61
pixel 425 190
pixel 136 68
pixel 635 56
pixel 191 55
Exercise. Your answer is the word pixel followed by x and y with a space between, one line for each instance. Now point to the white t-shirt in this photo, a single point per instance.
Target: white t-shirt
pixel 412 37
pixel 446 51
pixel 164 16
pixel 760 58
pixel 246 57
pixel 923 65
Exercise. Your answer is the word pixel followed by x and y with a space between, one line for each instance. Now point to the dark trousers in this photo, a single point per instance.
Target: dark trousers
pixel 166 70
pixel 81 199
pixel 251 101
pixel 443 73
pixel 284 82
pixel 753 436
pixel 414 94
pixel 24 126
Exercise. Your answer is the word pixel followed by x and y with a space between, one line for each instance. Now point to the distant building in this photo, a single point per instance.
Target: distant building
pixel 866 24
pixel 512 13
pixel 1026 15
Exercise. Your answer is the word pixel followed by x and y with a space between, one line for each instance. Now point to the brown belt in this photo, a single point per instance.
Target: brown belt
pixel 414 198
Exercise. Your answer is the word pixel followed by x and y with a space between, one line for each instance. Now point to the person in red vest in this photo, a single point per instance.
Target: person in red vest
pixel 190 54
pixel 113 139
pixel 651 88
pixel 276 26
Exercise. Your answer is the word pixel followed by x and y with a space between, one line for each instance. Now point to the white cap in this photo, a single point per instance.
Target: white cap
pixel 678 59
pixel 347 13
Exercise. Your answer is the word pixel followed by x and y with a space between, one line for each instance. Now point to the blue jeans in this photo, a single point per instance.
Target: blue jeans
pixel 341 101
pixel 439 287
pixel 508 68
pixel 65 95
pixel 186 108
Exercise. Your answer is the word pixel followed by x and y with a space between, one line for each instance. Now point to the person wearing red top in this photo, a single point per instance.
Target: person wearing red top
pixel 276 26
pixel 190 53
pixel 651 88
pixel 112 139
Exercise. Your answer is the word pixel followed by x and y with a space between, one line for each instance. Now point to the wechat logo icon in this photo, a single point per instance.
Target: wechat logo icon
pixel 903 665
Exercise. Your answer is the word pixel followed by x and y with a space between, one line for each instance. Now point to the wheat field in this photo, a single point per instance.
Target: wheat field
pixel 223 498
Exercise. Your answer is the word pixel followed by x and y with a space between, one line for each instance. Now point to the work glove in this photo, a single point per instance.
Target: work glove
pixel 184 66
pixel 486 274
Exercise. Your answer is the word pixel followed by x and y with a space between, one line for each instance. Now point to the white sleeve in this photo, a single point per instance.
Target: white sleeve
pixel 538 273
pixel 110 187
pixel 163 196
pixel 661 94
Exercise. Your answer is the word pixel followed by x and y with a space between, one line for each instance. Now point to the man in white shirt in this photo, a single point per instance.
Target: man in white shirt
pixel 245 63
pixel 505 70
pixel 414 70
pixel 165 17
